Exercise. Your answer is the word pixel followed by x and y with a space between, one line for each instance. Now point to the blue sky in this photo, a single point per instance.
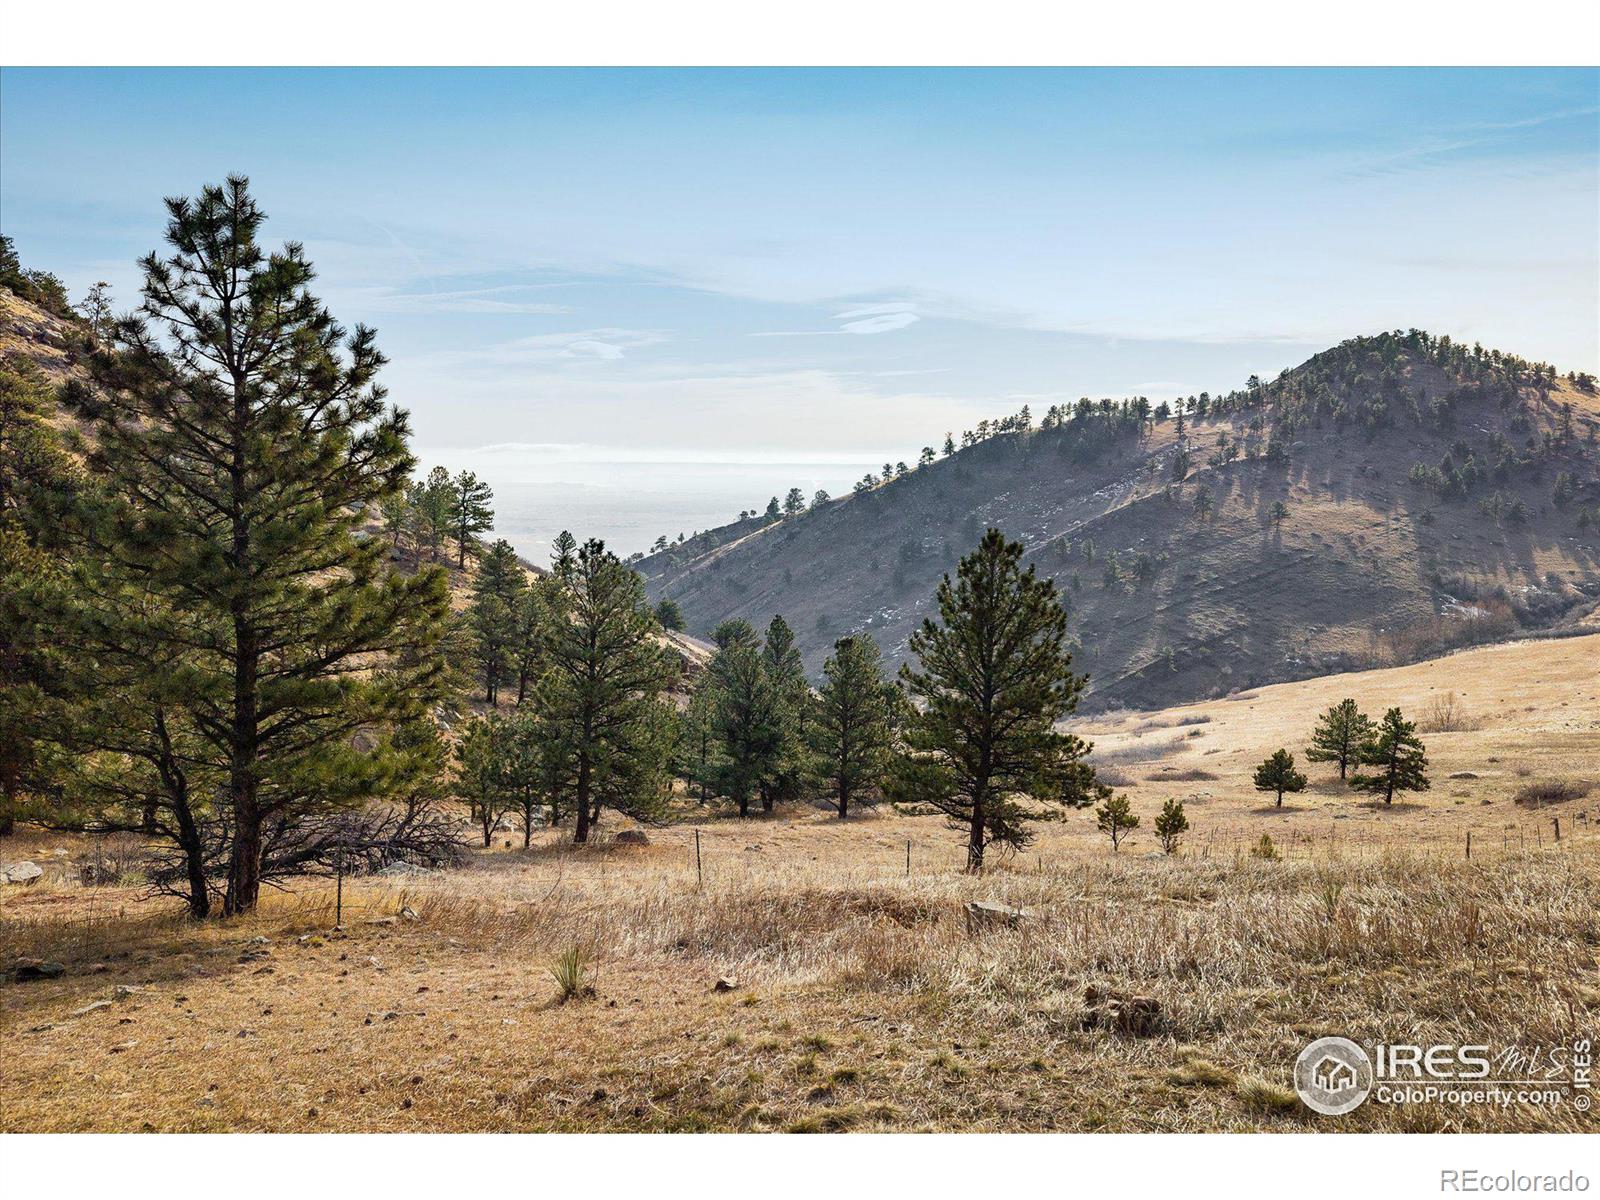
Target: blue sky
pixel 680 264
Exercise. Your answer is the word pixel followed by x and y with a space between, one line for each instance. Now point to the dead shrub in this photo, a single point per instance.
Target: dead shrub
pixel 1447 714
pixel 1550 791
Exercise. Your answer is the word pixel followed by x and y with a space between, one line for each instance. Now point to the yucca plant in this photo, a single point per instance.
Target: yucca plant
pixel 570 970
pixel 1331 889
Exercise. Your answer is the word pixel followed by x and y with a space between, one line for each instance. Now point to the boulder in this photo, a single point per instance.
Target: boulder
pixel 631 837
pixel 725 984
pixel 92 1007
pixel 21 872
pixel 983 915
pixel 35 968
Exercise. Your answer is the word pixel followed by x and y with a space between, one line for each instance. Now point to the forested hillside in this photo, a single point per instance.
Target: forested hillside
pixel 1391 498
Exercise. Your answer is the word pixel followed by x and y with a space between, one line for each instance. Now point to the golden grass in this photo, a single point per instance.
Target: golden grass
pixel 859 1000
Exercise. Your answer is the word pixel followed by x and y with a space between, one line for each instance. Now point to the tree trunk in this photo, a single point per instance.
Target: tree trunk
pixel 844 799
pixel 194 862
pixel 244 868
pixel 975 838
pixel 580 833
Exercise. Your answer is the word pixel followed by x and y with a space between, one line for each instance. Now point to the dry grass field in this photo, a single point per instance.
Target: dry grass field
pixel 855 996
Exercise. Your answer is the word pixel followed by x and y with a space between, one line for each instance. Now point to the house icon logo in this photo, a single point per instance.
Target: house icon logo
pixel 1333 1076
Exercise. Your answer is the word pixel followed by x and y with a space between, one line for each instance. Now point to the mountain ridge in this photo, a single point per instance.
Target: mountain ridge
pixel 1417 479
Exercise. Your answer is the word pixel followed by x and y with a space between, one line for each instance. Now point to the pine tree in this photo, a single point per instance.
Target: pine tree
pixel 794 503
pixel 564 557
pixel 432 500
pixel 852 727
pixel 773 510
pixel 241 443
pixel 1171 824
pixel 470 513
pixel 1115 818
pixel 1398 753
pixel 603 700
pixel 1339 735
pixel 1277 774
pixel 532 617
pixel 37 483
pixel 481 767
pixel 670 615
pixel 499 572
pixel 745 714
pixel 786 675
pixel 697 744
pixel 994 677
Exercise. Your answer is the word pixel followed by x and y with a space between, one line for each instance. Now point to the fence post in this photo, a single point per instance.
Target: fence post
pixel 908 858
pixel 1557 821
pixel 699 873
pixel 338 890
pixel 1469 844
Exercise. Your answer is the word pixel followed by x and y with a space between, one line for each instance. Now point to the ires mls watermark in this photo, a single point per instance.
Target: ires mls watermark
pixel 1334 1075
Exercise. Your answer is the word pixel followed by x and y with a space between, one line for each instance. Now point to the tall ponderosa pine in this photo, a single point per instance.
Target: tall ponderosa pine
pixel 495 617
pixel 1398 754
pixel 994 675
pixel 430 501
pixel 786 676
pixel 745 714
pixel 853 725
pixel 602 701
pixel 470 513
pixel 242 440
pixel 1339 735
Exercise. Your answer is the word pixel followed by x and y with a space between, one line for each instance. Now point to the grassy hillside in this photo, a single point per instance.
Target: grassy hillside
pixel 1420 511
pixel 859 998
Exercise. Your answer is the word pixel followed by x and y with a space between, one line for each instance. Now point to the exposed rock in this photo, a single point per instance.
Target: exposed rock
pixel 93 1006
pixel 987 914
pixel 123 1047
pixel 123 990
pixel 726 983
pixel 36 968
pixel 404 868
pixel 381 921
pixel 21 872
pixel 631 837
pixel 409 914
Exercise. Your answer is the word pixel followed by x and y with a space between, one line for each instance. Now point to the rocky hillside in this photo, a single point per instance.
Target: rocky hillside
pixel 1387 500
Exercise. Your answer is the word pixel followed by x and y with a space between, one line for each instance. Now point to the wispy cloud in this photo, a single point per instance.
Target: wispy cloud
pixel 504 299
